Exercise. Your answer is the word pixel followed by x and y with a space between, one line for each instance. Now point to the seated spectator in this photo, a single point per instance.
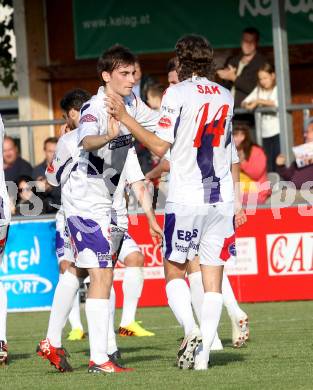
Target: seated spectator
pixel 293 173
pixel 49 147
pixel 265 95
pixel 14 165
pixel 29 202
pixel 52 194
pixel 252 165
pixel 154 96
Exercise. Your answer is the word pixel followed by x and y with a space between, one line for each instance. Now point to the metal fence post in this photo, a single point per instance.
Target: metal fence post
pixel 280 44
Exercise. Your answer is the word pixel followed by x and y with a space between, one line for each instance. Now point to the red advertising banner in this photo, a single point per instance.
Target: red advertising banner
pixel 274 258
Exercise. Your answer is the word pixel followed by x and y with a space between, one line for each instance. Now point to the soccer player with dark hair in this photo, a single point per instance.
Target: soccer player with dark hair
pixel 200 208
pixel 105 146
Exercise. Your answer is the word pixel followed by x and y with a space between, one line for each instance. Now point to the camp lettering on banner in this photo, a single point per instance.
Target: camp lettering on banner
pixel 148 27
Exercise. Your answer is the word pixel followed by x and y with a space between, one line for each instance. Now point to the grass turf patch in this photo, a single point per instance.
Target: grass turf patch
pixel 278 356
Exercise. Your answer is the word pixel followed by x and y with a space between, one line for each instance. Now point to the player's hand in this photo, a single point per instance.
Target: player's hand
pixel 280 160
pixel 155 231
pixel 115 106
pixel 113 128
pixel 64 129
pixel 240 218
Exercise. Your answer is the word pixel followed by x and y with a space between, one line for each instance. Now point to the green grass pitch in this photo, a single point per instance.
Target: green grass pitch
pixel 278 356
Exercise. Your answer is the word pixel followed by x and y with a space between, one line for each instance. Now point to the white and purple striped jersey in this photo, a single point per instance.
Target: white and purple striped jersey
pixel 95 180
pixel 131 174
pixel 196 120
pixel 5 212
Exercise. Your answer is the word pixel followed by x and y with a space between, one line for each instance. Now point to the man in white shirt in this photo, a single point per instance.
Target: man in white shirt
pixel 5 217
pixel 199 213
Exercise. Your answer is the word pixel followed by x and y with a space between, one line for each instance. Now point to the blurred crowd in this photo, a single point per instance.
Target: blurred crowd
pixel 252 82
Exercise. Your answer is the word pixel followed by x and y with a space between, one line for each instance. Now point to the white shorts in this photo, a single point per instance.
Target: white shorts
pixel 4 231
pixel 64 250
pixel 129 246
pixel 92 242
pixel 204 230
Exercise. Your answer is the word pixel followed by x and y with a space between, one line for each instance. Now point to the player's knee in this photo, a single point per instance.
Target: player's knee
pixel 135 259
pixel 64 265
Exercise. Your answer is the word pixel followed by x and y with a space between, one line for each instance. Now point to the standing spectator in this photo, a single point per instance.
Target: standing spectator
pixel 51 194
pixel 14 165
pixel 172 75
pixel 265 95
pixel 142 83
pixel 295 174
pixel 252 164
pixel 240 72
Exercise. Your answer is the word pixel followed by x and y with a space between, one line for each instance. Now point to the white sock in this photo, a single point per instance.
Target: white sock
pixel 229 299
pixel 74 316
pixel 179 300
pixel 98 313
pixel 132 288
pixel 112 347
pixel 64 295
pixel 197 293
pixel 211 313
pixel 3 312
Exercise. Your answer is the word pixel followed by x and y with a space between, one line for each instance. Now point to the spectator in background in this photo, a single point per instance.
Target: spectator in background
pixel 172 75
pixel 295 174
pixel 51 194
pixel 14 165
pixel 142 82
pixel 240 71
pixel 29 202
pixel 154 96
pixel 49 147
pixel 265 95
pixel 252 164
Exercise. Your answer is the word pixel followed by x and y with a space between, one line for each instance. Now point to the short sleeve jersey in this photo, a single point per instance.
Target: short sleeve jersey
pixel 96 178
pixel 5 214
pixel 196 120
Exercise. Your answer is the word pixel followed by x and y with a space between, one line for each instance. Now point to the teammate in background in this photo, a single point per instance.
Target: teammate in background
pixel 200 208
pixel 5 217
pixel 88 204
pixel 70 105
pixel 172 76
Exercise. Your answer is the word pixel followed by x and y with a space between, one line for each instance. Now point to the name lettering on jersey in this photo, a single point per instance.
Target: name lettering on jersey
pixel 215 127
pixel 207 89
pixel 87 118
pixel 121 141
pixel 165 122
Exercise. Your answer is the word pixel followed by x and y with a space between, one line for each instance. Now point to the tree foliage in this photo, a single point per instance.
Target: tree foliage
pixel 7 62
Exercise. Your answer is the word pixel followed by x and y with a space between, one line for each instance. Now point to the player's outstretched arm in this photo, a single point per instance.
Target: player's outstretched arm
pixel 156 172
pixel 116 108
pixel 144 198
pixel 240 216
